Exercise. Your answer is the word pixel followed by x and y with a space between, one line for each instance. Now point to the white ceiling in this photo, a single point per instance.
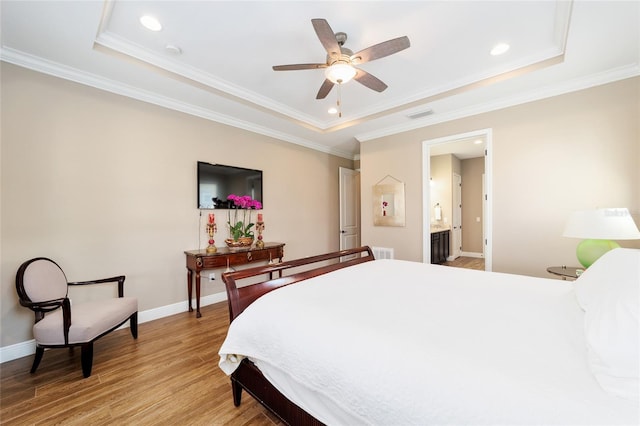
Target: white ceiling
pixel 228 47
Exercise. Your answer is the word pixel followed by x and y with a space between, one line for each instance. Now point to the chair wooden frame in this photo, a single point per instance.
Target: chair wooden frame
pixel 41 308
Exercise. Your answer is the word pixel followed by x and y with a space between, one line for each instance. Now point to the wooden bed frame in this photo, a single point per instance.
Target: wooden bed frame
pixel 247 376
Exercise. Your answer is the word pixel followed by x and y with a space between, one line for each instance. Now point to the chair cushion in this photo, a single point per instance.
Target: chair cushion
pixel 88 321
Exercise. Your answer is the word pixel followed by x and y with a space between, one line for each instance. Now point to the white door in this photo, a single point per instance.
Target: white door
pixel 349 208
pixel 456 248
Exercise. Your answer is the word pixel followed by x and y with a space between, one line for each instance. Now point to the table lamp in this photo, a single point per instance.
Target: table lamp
pixel 598 228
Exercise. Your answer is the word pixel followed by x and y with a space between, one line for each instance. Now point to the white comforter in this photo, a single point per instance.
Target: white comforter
pixel 392 342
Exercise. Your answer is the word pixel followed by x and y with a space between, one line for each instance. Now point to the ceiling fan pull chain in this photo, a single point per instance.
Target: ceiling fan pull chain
pixel 338 103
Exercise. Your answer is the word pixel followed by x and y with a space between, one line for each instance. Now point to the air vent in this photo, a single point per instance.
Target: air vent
pixel 420 114
pixel 382 252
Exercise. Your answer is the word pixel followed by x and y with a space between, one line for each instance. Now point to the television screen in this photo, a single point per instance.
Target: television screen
pixel 216 182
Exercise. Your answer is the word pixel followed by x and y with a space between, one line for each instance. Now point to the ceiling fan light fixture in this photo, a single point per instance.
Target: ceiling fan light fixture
pixel 340 73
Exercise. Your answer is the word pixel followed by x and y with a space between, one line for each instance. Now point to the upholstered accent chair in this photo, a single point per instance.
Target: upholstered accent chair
pixel 42 287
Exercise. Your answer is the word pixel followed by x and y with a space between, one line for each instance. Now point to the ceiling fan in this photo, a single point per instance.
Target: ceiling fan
pixel 340 62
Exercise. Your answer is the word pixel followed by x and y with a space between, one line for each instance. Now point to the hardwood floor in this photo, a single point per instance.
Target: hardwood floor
pixel 169 375
pixel 467 262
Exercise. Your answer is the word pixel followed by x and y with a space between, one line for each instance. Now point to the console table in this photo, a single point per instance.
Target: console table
pixel 198 260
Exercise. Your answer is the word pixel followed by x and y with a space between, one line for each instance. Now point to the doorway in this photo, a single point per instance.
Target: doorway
pixel 462 146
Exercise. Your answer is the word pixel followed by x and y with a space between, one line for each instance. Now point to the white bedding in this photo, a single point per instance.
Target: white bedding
pixel 427 345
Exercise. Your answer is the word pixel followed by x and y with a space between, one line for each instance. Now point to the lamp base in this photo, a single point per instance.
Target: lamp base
pixel 589 251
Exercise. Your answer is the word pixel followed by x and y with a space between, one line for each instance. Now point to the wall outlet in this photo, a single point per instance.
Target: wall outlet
pixel 212 276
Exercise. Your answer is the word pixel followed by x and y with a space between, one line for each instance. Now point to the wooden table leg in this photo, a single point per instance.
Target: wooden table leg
pixel 198 314
pixel 189 287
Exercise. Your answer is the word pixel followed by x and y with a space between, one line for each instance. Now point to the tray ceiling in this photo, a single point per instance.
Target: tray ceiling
pixel 213 58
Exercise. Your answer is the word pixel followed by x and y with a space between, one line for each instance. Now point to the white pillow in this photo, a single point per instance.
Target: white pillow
pixel 609 292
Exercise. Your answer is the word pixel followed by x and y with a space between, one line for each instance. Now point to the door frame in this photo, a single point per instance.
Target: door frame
pixel 487 135
pixel 456 220
pixel 354 174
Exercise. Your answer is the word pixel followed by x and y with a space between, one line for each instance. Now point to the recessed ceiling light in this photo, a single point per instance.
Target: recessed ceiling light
pixel 477 141
pixel 499 49
pixel 150 23
pixel 332 110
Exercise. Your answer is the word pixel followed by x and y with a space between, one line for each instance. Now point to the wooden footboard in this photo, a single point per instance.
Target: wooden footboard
pixel 247 376
pixel 298 270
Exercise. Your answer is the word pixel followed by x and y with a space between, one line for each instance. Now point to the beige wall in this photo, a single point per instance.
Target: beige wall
pixel 106 185
pixel 472 171
pixel 550 157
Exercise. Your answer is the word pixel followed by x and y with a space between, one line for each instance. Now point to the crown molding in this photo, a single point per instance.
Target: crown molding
pixel 61 71
pixel 55 69
pixel 217 85
pixel 598 79
pixel 113 43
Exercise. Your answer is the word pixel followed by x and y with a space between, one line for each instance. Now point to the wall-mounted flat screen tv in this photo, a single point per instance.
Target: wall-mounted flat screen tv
pixel 216 182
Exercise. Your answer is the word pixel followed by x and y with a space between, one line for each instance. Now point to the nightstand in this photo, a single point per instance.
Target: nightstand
pixel 566 272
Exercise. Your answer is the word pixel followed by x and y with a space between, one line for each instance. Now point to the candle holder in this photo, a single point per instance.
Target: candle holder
pixel 260 228
pixel 211 229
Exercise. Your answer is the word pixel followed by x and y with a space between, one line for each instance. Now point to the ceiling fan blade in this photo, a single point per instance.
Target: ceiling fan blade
pixel 325 89
pixel 381 50
pixel 370 81
pixel 327 37
pixel 295 67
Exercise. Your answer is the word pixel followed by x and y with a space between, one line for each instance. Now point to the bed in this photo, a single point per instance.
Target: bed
pixel 347 339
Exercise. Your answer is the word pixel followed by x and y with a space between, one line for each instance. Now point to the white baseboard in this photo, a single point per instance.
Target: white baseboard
pixel 22 349
pixel 176 308
pixel 472 254
pixel 11 352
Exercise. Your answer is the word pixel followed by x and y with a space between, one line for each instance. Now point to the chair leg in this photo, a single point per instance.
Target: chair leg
pixel 133 325
pixel 86 356
pixel 37 359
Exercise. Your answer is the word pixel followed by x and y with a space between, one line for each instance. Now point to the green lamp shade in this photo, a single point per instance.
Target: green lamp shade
pixel 589 251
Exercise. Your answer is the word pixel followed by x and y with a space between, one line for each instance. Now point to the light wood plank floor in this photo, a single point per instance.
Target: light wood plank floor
pixel 467 262
pixel 169 375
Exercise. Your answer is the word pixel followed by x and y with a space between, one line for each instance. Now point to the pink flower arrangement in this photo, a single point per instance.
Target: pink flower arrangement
pixel 244 202
pixel 242 228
